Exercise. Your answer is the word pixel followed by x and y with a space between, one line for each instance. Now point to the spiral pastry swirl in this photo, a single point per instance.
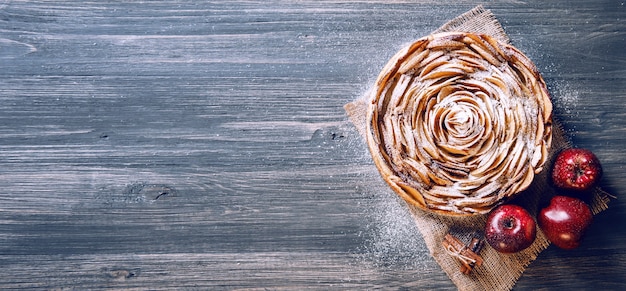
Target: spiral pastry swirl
pixel 458 123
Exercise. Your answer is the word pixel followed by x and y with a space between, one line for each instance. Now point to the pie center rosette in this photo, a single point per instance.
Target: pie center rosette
pixel 458 123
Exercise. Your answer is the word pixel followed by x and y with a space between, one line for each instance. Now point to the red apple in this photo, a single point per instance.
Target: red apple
pixel 565 221
pixel 510 228
pixel 576 169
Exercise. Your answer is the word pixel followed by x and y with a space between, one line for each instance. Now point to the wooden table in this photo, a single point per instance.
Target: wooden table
pixel 192 145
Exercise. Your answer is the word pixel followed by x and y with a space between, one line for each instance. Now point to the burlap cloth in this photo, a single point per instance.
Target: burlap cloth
pixel 498 271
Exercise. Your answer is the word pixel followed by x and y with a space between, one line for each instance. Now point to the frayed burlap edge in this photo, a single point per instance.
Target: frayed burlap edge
pixel 499 271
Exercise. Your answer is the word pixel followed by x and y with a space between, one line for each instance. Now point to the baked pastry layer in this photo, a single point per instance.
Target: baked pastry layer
pixel 458 123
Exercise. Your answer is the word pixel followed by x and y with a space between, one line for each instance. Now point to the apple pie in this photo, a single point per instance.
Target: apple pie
pixel 458 123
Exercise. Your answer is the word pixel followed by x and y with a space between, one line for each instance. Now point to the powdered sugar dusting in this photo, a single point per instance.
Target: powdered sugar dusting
pixel 395 239
pixel 565 98
pixel 566 103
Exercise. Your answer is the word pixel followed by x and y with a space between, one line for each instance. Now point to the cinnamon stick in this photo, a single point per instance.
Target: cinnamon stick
pixel 466 254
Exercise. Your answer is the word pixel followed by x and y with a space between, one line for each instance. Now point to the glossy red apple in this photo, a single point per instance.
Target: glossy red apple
pixel 510 228
pixel 576 169
pixel 565 221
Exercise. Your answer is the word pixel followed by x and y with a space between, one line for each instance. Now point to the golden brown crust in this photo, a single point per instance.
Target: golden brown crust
pixel 458 123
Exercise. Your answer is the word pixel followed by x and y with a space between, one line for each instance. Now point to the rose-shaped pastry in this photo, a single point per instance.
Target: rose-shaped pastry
pixel 459 122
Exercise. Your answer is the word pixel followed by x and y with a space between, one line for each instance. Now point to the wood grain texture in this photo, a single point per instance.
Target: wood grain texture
pixel 203 145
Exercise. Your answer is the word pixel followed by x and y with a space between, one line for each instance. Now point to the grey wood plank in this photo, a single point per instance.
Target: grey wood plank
pixel 203 145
